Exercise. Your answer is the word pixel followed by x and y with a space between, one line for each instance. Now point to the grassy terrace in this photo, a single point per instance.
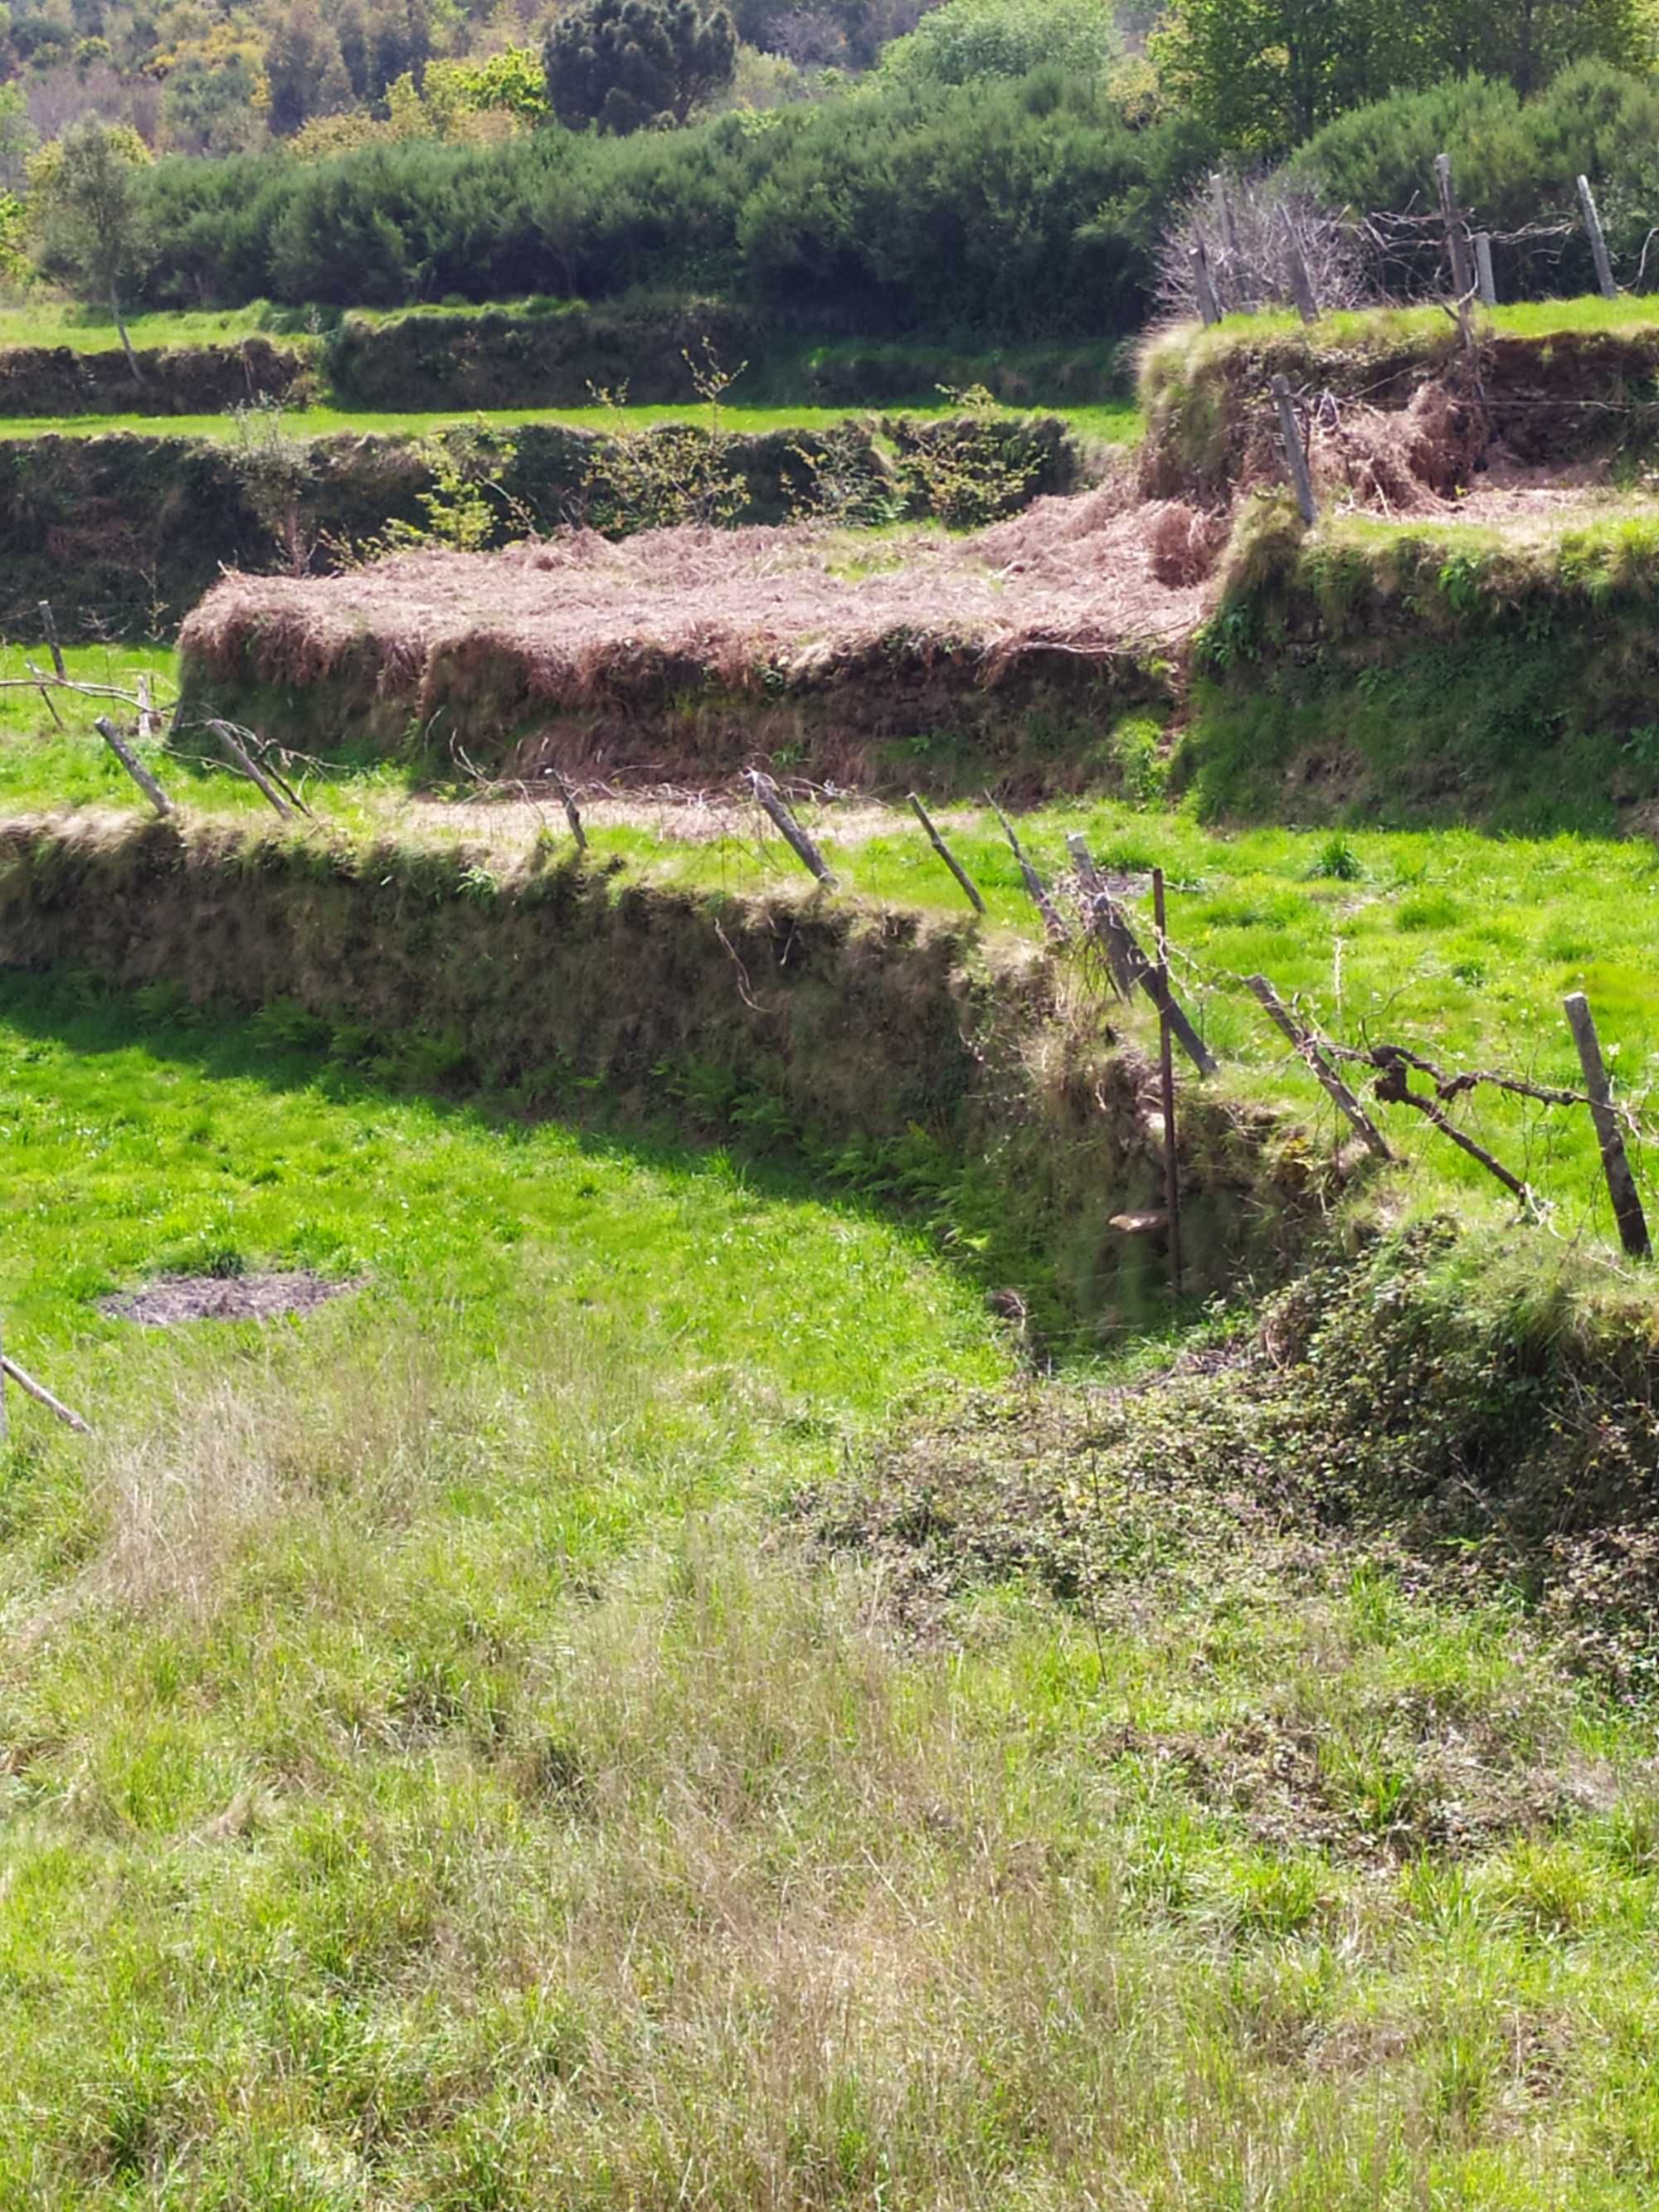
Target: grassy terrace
pixel 436 1773
pixel 1384 330
pixel 1457 945
pixel 1106 425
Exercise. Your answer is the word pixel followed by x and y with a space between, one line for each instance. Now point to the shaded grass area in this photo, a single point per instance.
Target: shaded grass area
pixel 1103 425
pixel 434 1778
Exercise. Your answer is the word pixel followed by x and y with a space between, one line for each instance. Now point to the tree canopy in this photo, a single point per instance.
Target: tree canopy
pixel 624 64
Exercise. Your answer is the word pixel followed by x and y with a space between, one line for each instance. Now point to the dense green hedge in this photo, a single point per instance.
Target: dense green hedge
pixel 1516 164
pixel 1022 208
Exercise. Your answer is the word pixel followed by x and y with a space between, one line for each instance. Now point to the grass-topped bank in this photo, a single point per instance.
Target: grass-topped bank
pixel 1433 669
pixel 445 1761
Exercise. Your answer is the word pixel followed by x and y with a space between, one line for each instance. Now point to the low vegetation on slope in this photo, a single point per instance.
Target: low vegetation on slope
pixel 436 1772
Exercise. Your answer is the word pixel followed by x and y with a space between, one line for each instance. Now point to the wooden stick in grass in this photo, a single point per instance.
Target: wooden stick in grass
pixel 149 720
pixel 40 1392
pixel 1335 1088
pixel 1296 453
pixel 1615 1161
pixel 970 890
pixel 134 767
pixel 766 792
pixel 1034 885
pixel 230 738
pixel 45 691
pixel 49 631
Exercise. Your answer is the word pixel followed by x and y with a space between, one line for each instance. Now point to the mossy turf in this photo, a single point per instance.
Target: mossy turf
pixel 436 1774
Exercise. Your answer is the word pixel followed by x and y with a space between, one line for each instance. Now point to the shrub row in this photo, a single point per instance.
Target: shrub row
pixel 1027 207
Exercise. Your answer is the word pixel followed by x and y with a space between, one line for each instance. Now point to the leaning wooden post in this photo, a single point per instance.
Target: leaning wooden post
pixel 49 631
pixel 46 693
pixel 1302 290
pixel 1294 452
pixel 1615 1161
pixel 1485 283
pixel 1034 884
pixel 969 887
pixel 1608 289
pixel 1457 246
pixel 1166 1084
pixel 1131 968
pixel 1209 306
pixel 40 1392
pixel 134 767
pixel 240 758
pixel 572 811
pixel 766 792
pixel 1335 1089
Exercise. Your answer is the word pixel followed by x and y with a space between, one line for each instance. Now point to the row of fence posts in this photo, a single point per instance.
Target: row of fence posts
pixel 1468 255
pixel 1106 921
pixel 1132 970
pixel 1468 252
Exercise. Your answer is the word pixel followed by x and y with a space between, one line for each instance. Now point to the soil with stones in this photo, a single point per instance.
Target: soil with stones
pixel 177 1298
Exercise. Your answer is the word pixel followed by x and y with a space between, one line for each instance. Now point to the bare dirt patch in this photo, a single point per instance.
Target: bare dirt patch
pixel 261 1297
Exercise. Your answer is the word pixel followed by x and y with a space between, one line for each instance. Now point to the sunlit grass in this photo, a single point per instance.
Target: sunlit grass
pixel 434 1776
pixel 1456 944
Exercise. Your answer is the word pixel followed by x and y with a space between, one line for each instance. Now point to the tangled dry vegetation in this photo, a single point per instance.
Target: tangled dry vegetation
pixel 1083 574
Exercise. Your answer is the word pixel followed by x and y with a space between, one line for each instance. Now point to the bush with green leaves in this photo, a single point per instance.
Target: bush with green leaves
pixel 1008 209
pixel 965 41
pixel 1516 163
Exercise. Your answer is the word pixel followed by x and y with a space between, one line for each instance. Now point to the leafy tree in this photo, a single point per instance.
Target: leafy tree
pixel 1266 74
pixel 90 217
pixel 305 69
pixel 17 135
pixel 625 64
pixel 966 40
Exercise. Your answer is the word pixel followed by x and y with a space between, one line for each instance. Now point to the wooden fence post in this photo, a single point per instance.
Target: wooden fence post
pixel 1486 282
pixel 1034 884
pixel 1608 289
pixel 1131 968
pixel 1302 290
pixel 1209 306
pixel 1457 246
pixel 231 740
pixel 1166 1085
pixel 572 812
pixel 1615 1161
pixel 1294 452
pixel 49 631
pixel 134 767
pixel 1335 1087
pixel 969 888
pixel 795 836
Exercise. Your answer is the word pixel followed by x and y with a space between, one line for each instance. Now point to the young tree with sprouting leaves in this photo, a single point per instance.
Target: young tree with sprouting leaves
pixel 88 212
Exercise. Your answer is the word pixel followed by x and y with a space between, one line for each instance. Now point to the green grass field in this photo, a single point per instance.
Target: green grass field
pixel 436 1775
pixel 1102 425
pixel 1459 946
